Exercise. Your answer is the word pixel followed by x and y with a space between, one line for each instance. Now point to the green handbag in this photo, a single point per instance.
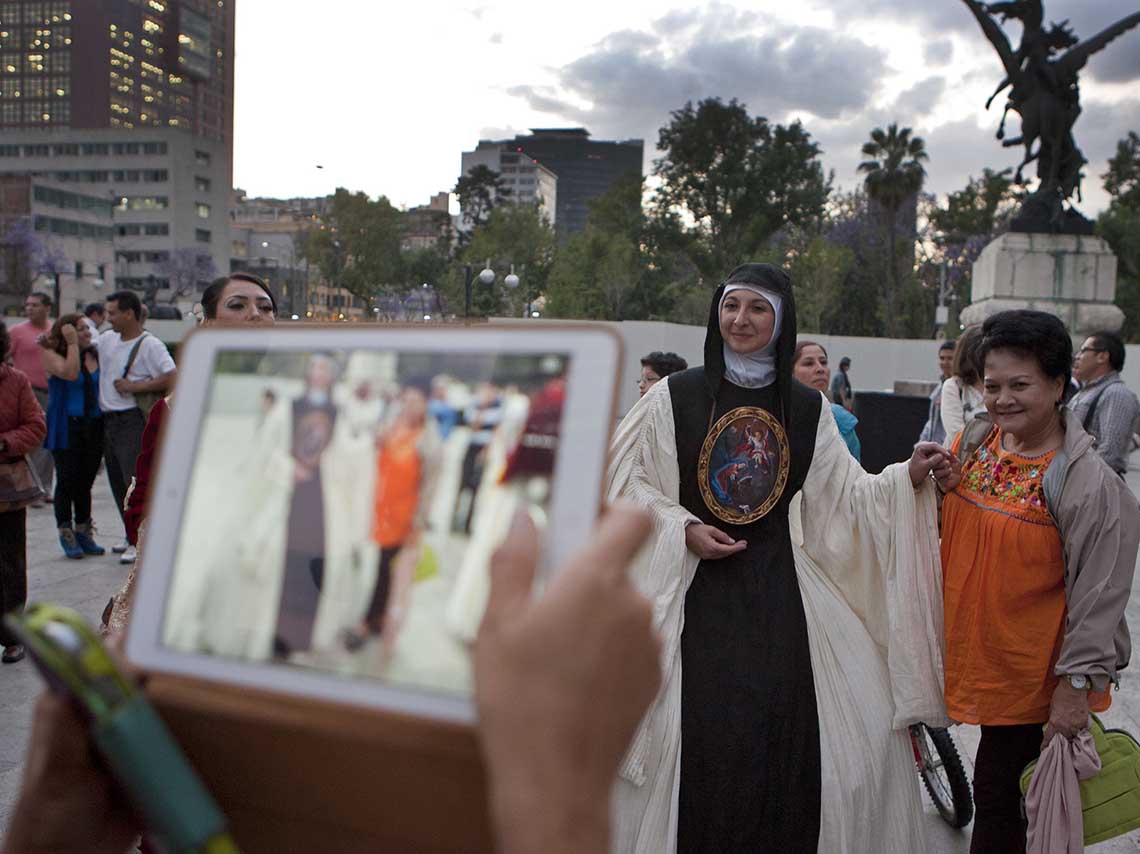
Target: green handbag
pixel 1110 801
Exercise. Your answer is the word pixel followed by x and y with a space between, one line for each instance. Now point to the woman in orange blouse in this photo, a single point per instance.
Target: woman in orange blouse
pixel 405 466
pixel 1034 587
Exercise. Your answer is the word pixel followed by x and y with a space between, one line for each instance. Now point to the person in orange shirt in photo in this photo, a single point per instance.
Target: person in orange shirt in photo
pixel 407 462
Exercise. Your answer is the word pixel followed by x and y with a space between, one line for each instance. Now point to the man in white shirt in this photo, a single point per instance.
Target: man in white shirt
pixel 131 361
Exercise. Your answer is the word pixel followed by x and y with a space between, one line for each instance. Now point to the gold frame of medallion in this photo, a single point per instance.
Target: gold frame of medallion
pixel 778 487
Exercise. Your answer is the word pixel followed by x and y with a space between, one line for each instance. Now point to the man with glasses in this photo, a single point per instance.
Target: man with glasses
pixel 655 367
pixel 1105 406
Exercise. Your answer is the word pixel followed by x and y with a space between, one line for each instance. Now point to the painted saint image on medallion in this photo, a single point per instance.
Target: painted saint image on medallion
pixel 743 467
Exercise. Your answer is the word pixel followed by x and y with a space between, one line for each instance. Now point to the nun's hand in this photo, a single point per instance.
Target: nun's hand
pixel 709 543
pixel 929 457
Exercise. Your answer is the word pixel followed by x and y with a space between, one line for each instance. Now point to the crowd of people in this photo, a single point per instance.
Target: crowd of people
pixel 751 640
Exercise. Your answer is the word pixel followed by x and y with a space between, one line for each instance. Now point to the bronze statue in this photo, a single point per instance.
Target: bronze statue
pixel 1044 92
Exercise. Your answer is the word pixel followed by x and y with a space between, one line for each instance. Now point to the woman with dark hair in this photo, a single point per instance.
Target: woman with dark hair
pixel 962 393
pixel 656 366
pixel 233 299
pixel 75 429
pixel 777 697
pixel 810 367
pixel 22 430
pixel 1038 550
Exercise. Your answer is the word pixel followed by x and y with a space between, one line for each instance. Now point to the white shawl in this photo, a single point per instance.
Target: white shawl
pixel 872 588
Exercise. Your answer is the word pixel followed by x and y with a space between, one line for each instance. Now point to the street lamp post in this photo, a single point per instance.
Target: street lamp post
pixel 487 277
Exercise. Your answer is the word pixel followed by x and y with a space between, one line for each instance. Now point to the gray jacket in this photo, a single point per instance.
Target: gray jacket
pixel 1098 518
pixel 1108 409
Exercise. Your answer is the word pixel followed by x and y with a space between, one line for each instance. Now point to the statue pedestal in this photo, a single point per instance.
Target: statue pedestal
pixel 1071 276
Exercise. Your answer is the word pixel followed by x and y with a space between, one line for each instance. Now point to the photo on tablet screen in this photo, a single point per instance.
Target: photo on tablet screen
pixel 343 506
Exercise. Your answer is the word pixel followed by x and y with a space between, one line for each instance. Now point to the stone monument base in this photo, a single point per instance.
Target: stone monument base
pixel 1070 276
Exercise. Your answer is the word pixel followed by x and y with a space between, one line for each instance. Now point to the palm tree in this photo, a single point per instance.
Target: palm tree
pixel 894 174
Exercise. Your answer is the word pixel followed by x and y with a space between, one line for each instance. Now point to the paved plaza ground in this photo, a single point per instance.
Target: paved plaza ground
pixel 86 585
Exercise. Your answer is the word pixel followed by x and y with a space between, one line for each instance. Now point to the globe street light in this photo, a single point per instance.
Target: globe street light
pixel 486 277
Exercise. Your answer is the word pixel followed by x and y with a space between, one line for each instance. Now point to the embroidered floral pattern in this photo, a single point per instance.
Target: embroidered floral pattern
pixel 1006 481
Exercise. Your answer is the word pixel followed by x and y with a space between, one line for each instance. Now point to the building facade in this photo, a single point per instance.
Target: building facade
pixel 428 226
pixel 585 168
pixel 55 240
pixel 131 64
pixel 128 101
pixel 525 180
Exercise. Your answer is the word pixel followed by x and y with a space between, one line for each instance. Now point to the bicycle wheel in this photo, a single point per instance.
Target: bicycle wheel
pixel 940 768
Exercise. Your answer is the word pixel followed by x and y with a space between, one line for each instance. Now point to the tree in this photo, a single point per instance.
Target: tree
pixel 819 268
pixel 479 191
pixel 1119 225
pixel 25 256
pixel 737 179
pixel 513 235
pixel 358 246
pixel 187 271
pixel 894 175
pixel 958 232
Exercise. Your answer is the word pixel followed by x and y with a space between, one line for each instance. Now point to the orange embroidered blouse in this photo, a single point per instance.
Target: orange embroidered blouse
pixel 1003 576
pixel 397 487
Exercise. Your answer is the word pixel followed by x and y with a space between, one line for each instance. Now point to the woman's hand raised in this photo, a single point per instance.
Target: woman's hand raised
pixel 709 543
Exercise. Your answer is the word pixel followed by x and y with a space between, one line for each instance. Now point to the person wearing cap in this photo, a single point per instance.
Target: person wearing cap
pixel 775 568
pixel 841 392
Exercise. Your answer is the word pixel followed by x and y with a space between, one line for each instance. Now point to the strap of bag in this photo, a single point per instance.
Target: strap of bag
pixel 1088 419
pixel 134 353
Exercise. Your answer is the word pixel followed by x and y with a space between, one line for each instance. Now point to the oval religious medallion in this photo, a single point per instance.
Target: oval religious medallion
pixel 743 466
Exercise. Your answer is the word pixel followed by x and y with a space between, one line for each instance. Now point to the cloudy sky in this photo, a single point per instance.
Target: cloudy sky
pixel 385 96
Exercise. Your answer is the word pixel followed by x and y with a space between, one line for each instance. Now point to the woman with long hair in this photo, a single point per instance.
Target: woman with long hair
pixel 234 299
pixel 962 393
pixel 75 430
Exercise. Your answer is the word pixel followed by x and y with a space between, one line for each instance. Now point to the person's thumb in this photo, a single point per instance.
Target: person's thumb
pixel 720 536
pixel 512 569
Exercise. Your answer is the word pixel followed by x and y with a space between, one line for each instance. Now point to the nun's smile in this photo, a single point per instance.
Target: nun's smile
pixel 746 321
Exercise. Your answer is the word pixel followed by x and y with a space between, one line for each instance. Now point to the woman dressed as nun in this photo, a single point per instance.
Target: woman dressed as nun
pixel 799 602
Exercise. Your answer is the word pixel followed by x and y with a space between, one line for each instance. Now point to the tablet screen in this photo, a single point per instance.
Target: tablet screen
pixel 343 506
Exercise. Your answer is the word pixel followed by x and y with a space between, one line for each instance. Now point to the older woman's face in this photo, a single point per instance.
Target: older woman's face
pixel 812 369
pixel 1019 397
pixel 746 321
pixel 244 302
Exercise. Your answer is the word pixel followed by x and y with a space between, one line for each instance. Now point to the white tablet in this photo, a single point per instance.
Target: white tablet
pixel 327 501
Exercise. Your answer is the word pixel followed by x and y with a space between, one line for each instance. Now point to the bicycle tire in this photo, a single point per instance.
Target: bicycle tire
pixel 952 797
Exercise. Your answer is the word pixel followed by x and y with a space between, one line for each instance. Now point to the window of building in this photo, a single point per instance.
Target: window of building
pixel 203 210
pixel 128 229
pixel 201 185
pixel 9 151
pixel 79 269
pixel 157 229
pixel 202 158
pixel 155 176
pixel 143 203
pixel 102 268
pixel 93 148
pixel 37 150
pixel 154 148
pixel 202 235
pixel 128 257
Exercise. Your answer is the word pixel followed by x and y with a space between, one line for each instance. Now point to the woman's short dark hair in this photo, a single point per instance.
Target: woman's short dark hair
pixel 5 342
pixel 664 364
pixel 1033 333
pixel 213 294
pixel 1112 344
pixel 967 365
